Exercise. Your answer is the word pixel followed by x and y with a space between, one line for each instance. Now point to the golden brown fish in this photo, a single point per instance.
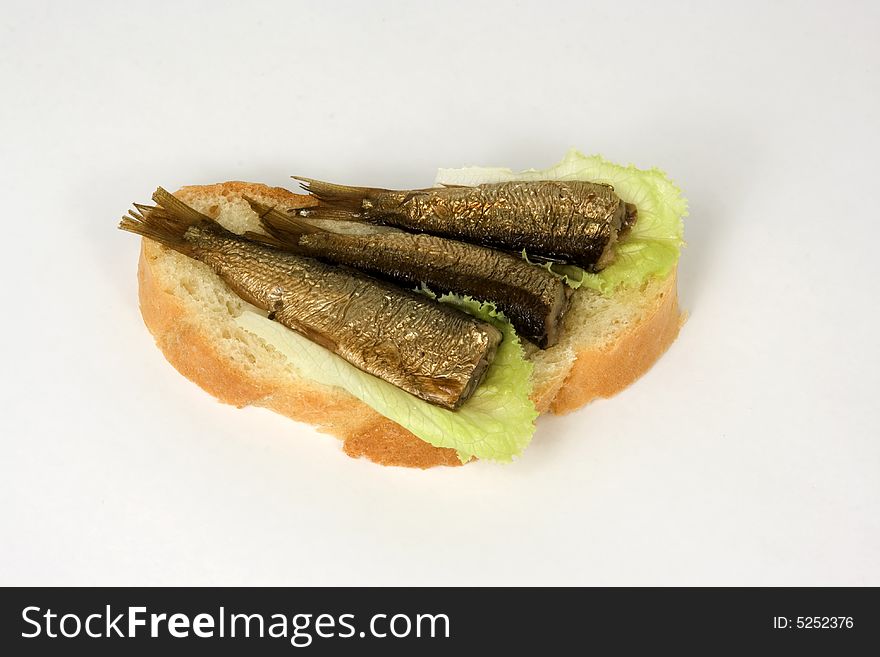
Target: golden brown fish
pixel 570 221
pixel 532 298
pixel 433 351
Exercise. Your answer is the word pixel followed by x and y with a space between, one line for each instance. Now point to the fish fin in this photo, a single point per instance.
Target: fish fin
pixel 327 212
pixel 166 223
pixel 287 228
pixel 268 240
pixel 179 210
pixel 339 196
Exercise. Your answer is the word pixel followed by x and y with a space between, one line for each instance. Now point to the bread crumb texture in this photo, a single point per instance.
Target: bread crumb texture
pixel 606 345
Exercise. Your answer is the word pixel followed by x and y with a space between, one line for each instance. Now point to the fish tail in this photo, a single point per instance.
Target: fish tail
pixel 339 197
pixel 284 227
pixel 166 222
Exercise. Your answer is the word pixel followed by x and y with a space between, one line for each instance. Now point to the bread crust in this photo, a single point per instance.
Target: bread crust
pixel 365 433
pixel 605 372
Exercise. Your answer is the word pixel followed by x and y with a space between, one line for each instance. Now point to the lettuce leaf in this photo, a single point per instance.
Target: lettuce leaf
pixel 652 246
pixel 496 423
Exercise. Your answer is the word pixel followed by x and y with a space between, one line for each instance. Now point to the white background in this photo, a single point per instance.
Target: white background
pixel 749 454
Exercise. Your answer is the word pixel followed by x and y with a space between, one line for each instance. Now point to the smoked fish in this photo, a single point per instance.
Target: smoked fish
pixel 568 221
pixel 532 298
pixel 431 350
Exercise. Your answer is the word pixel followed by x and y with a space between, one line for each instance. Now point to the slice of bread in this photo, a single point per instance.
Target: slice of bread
pixel 606 344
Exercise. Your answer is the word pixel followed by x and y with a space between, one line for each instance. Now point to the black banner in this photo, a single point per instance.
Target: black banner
pixel 319 621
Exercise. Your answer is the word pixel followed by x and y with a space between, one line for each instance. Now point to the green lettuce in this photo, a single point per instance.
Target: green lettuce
pixel 652 246
pixel 496 423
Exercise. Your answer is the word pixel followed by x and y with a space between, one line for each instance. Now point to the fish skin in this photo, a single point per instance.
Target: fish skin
pixel 570 221
pixel 532 298
pixel 432 351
